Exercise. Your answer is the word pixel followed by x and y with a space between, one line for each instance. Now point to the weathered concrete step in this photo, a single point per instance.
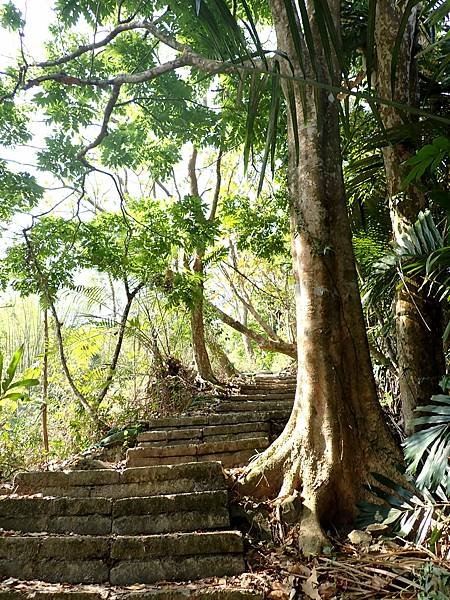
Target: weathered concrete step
pixel 212 438
pixel 264 389
pixel 71 559
pixel 227 459
pixel 200 591
pixel 100 516
pixel 206 433
pixel 177 557
pixel 143 481
pixel 255 406
pixel 84 516
pixel 122 560
pixel 264 377
pixel 203 420
pixel 260 397
pixel 193 450
pixel 168 514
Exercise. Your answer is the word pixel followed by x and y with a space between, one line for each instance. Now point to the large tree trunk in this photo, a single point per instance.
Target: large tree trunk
pixel 336 434
pixel 418 317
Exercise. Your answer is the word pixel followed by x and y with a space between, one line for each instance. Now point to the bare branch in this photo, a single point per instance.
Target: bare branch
pixel 192 174
pixel 263 342
pixel 245 301
pixel 104 129
pixel 215 202
pixel 90 47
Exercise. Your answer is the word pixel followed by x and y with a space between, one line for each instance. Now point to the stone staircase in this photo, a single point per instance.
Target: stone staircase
pixel 244 422
pixel 164 518
pixel 144 525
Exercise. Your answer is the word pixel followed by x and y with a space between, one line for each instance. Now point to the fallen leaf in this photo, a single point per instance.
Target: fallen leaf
pixel 309 587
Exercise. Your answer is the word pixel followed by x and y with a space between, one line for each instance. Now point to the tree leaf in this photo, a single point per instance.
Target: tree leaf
pixel 12 368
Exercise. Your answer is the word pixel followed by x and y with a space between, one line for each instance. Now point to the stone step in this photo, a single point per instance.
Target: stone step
pixel 227 459
pixel 254 406
pixel 203 420
pixel 143 481
pixel 199 591
pixel 195 450
pixel 70 559
pixel 207 440
pixel 172 513
pixel 122 560
pixel 84 516
pixel 263 389
pixel 205 433
pixel 101 516
pixel 264 378
pixel 179 557
pixel 260 396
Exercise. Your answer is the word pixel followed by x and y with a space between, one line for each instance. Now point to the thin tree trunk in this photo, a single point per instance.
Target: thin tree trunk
pixel 420 354
pixel 44 416
pixel 246 340
pixel 336 435
pixel 249 308
pixel 131 295
pixel 216 349
pixel 201 356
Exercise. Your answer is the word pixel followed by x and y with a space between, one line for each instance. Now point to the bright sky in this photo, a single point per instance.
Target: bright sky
pixel 38 15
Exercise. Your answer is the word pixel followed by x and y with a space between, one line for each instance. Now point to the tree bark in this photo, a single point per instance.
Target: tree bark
pixel 419 331
pixel 131 295
pixel 336 435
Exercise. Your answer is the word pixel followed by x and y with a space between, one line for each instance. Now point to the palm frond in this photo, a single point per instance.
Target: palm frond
pixel 428 449
pixel 413 513
pixel 408 256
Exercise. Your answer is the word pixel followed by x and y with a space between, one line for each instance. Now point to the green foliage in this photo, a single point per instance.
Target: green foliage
pixel 408 256
pixel 10 389
pixel 60 156
pixel 195 231
pixel 11 17
pixel 435 582
pixel 422 511
pixel 18 192
pixel 261 226
pixel 427 450
pixel 429 158
pixel 48 263
pixel 13 121
pixel 413 513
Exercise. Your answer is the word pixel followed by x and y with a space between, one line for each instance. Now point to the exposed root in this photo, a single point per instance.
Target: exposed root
pixel 312 538
pixel 264 475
